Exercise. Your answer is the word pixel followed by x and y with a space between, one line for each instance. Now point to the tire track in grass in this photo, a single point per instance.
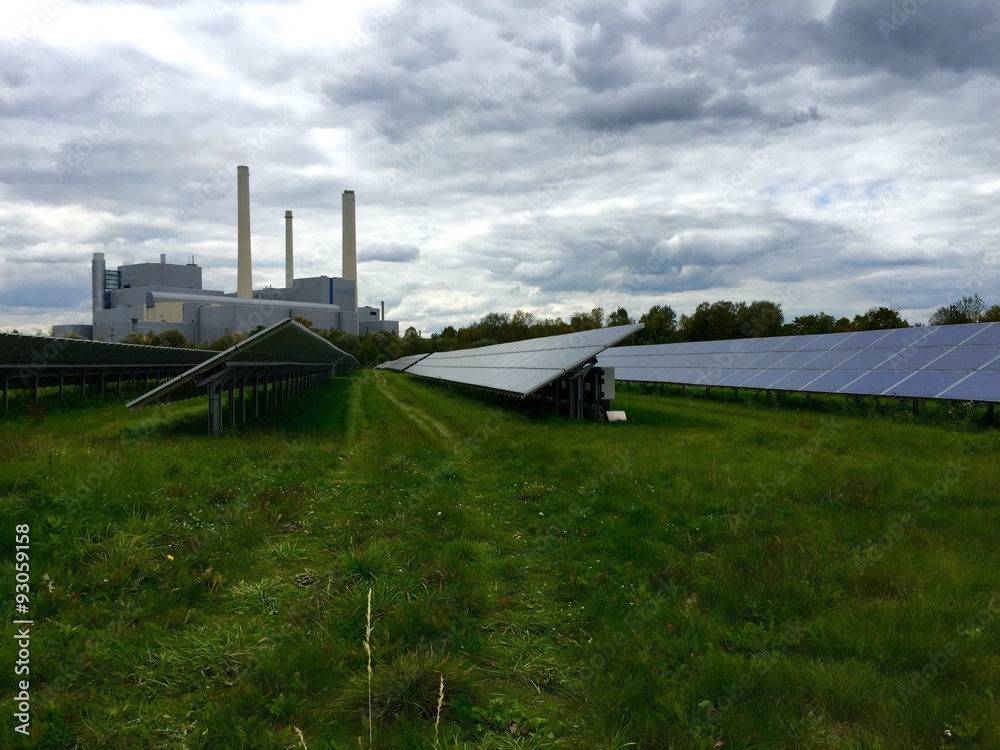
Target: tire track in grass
pixel 422 419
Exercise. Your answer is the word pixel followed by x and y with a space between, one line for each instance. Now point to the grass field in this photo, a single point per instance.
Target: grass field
pixel 742 573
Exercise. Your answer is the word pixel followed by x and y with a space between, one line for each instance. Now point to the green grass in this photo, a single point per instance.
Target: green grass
pixel 765 576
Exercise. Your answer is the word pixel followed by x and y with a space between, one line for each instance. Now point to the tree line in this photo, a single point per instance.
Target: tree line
pixel 710 321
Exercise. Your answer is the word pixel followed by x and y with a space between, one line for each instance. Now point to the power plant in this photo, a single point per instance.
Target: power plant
pixel 156 297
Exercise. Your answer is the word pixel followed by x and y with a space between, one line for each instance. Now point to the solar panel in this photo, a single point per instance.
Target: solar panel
pixel 399 365
pixel 952 362
pixel 287 346
pixel 520 367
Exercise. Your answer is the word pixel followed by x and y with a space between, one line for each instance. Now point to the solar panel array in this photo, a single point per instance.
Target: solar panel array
pixel 399 365
pixel 43 352
pixel 960 362
pixel 286 347
pixel 519 368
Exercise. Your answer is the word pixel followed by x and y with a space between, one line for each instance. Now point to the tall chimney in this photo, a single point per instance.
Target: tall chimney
pixel 97 268
pixel 289 264
pixel 383 311
pixel 350 244
pixel 244 273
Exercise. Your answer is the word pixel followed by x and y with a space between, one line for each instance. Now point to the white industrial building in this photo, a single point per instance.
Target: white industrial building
pixel 156 297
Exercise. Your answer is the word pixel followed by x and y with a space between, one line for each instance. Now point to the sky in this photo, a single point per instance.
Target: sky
pixel 828 155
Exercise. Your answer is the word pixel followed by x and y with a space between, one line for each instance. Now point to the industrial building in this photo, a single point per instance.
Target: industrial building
pixel 157 297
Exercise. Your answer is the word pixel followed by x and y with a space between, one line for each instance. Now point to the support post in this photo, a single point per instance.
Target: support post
pixel 102 385
pixel 256 402
pixel 989 414
pixel 916 407
pixel 243 398
pixel 62 384
pixel 214 410
pixel 231 387
pixel 34 391
pixel 6 392
pixel 119 382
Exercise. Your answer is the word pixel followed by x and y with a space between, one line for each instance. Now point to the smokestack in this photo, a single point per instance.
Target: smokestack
pixel 383 310
pixel 244 272
pixel 163 257
pixel 350 244
pixel 97 268
pixel 289 264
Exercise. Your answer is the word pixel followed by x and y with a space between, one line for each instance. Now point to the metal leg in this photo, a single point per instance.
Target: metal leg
pixel 214 410
pixel 62 384
pixel 232 405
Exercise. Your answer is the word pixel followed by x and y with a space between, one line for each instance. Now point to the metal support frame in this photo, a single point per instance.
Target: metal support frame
pixel 990 417
pixel 214 409
pixel 6 392
pixel 230 388
pixel 916 407
pixel 62 385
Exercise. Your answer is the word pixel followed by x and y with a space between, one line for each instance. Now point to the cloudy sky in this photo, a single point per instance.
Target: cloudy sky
pixel 550 156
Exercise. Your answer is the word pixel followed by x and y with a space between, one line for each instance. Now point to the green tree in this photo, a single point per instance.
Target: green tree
pixel 659 326
pixel 759 319
pixel 992 315
pixel 969 309
pixel 587 321
pixel 879 319
pixel 712 321
pixel 173 338
pixel 619 317
pixel 812 325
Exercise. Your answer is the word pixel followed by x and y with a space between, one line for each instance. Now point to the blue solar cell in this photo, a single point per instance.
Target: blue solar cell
pixel 874 383
pixel 829 360
pixel 914 358
pixel 949 335
pixel 989 333
pixel 979 386
pixel 926 384
pixel 867 359
pixel 993 366
pixel 833 381
pixel 966 358
pixel 824 342
pixel 796 380
pixel 765 379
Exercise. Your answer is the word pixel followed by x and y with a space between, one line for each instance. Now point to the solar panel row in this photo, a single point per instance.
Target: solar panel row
pixel 519 368
pixel 942 362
